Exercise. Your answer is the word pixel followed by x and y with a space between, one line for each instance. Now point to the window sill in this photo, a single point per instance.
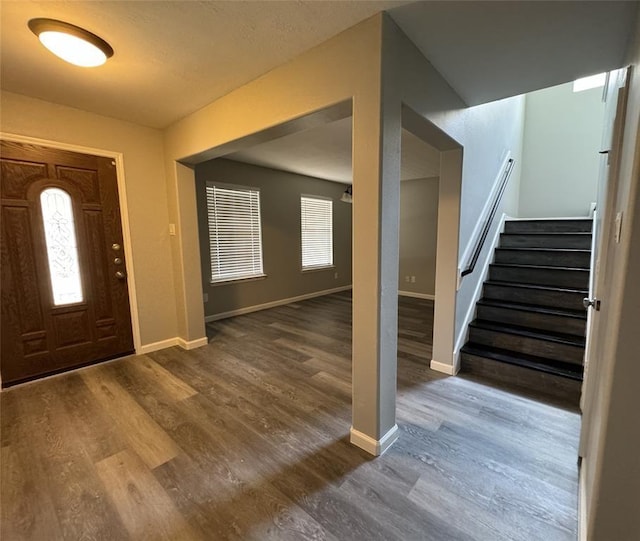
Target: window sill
pixel 228 281
pixel 316 269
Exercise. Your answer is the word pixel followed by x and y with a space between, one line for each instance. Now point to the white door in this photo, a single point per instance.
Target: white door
pixel 616 92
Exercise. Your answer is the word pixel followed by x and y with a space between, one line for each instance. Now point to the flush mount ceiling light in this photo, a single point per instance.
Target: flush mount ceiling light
pixel 71 43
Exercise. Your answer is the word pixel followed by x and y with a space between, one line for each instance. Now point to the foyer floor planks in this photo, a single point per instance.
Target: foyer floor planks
pixel 247 438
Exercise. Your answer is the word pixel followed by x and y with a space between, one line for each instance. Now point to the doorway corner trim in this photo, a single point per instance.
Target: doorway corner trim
pixel 449 369
pixel 372 446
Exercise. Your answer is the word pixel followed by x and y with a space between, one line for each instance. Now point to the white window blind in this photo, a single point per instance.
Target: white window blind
pixel 317 232
pixel 235 235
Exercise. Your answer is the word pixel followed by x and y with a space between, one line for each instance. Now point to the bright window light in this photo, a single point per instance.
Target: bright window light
pixel 316 221
pixel 62 248
pixel 587 83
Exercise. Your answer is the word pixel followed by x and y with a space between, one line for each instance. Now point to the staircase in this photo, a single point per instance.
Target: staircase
pixel 529 331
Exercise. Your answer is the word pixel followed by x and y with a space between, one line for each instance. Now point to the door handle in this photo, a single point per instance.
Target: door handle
pixel 594 303
pixel 120 275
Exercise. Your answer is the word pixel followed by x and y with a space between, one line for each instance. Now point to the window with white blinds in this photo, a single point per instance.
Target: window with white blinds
pixel 235 235
pixel 317 232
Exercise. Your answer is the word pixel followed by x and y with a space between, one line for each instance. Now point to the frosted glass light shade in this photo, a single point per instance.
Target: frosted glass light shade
pixel 71 43
pixel 72 49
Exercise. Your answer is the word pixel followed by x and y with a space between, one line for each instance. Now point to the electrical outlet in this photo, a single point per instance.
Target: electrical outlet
pixel 413 279
pixel 205 297
pixel 335 275
pixel 172 229
pixel 407 279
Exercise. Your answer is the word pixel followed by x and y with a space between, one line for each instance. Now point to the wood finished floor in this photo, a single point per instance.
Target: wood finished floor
pixel 248 439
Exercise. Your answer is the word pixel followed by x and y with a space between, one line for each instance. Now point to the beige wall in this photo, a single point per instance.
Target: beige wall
pixel 418 235
pixel 145 192
pixel 354 66
pixel 345 68
pixel 280 216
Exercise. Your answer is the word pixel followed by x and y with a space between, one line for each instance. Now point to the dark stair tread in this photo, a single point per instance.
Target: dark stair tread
pixel 552 220
pixel 549 336
pixel 569 250
pixel 520 249
pixel 551 233
pixel 522 307
pixel 533 286
pixel 532 362
pixel 544 267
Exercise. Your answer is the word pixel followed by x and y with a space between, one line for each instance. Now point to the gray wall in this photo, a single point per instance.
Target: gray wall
pixel 280 208
pixel 562 137
pixel 418 232
pixel 485 132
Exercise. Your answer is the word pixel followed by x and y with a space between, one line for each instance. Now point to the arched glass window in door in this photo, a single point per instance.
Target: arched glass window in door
pixel 62 248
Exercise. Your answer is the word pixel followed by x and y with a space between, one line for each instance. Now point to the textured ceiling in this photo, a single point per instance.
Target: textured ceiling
pixel 171 57
pixel 325 152
pixel 174 57
pixel 492 50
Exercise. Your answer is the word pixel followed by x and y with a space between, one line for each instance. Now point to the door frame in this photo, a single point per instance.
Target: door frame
pixel 124 213
pixel 601 266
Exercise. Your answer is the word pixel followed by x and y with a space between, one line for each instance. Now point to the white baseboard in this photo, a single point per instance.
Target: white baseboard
pixel 155 346
pixel 273 304
pixel 417 295
pixel 372 446
pixel 450 369
pixel 193 344
pixel 462 338
pixel 170 342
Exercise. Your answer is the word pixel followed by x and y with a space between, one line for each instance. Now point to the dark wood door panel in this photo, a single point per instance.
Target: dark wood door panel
pixel 17 176
pixel 38 336
pixel 19 268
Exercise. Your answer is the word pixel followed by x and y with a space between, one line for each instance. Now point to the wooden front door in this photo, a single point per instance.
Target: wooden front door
pixel 65 301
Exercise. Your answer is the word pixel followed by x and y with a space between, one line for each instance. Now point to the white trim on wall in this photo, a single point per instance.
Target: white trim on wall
pixel 450 369
pixel 273 304
pixel 427 296
pixel 124 213
pixel 371 446
pixel 171 342
pixel 155 346
pixel 192 344
pixel 471 311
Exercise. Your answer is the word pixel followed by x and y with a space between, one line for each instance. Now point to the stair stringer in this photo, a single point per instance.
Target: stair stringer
pixel 483 268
